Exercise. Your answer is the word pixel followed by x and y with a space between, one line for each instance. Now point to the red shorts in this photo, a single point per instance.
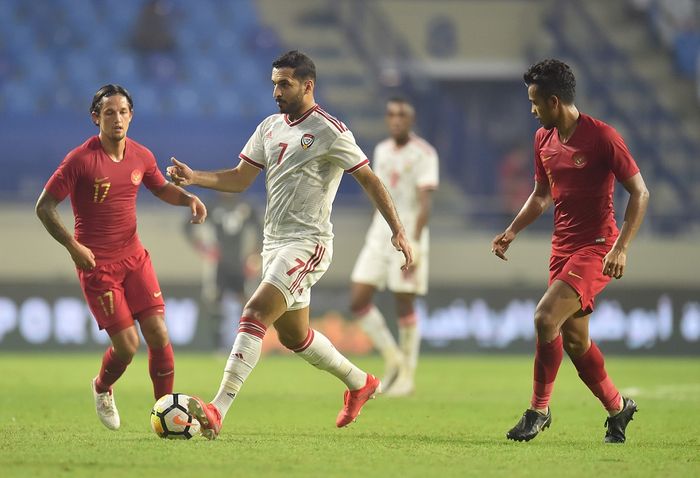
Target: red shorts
pixel 120 292
pixel 583 271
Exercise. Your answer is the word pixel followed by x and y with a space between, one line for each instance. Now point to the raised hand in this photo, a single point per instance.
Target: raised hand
pixel 180 173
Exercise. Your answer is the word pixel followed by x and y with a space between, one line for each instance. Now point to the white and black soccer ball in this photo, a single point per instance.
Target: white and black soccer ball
pixel 169 417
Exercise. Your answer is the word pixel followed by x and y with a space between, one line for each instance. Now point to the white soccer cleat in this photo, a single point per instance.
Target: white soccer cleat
pixel 391 373
pixel 403 386
pixel 106 408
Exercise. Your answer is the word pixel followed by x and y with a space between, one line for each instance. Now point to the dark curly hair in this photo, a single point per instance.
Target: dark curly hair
pixel 304 67
pixel 553 78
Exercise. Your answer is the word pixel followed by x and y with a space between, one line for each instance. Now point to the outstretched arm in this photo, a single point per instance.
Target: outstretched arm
pixel 49 217
pixel 177 196
pixel 382 201
pixel 615 260
pixel 536 204
pixel 425 204
pixel 234 180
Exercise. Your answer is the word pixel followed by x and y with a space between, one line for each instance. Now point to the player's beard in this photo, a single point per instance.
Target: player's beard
pixel 546 124
pixel 292 107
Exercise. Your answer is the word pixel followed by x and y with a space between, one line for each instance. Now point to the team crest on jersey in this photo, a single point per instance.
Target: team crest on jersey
pixel 579 160
pixel 307 140
pixel 136 177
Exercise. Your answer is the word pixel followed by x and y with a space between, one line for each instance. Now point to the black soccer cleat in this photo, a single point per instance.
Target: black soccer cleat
pixel 530 425
pixel 617 424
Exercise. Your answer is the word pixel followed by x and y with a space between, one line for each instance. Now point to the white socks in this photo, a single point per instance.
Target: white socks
pixel 245 354
pixel 316 349
pixel 409 340
pixel 320 352
pixel 374 325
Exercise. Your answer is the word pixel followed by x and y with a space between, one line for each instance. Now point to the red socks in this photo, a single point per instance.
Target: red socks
pixel 161 366
pixel 591 369
pixel 548 357
pixel 112 368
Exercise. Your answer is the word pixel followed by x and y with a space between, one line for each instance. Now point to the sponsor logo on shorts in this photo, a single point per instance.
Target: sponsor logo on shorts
pixel 307 140
pixel 157 294
pixel 600 240
pixel 573 274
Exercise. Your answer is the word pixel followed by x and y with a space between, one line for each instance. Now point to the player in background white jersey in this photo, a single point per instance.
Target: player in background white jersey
pixel 304 152
pixel 408 166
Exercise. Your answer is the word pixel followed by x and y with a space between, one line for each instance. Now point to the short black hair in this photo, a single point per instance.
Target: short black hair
pixel 399 99
pixel 303 66
pixel 553 78
pixel 107 91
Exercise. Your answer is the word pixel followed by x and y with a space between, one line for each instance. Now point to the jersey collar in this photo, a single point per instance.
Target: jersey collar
pixel 301 118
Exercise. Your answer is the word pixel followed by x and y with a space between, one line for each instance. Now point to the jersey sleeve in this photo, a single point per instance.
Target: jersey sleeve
pixel 619 158
pixel 153 179
pixel 254 150
pixel 64 179
pixel 428 171
pixel 540 173
pixel 346 154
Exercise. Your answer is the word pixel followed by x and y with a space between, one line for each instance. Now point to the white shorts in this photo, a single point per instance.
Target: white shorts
pixel 379 265
pixel 294 268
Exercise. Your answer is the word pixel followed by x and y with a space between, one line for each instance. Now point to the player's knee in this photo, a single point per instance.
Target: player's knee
pixel 405 308
pixel 291 338
pixel 155 332
pixel 360 299
pixel 359 306
pixel 544 320
pixel 253 311
pixel 126 347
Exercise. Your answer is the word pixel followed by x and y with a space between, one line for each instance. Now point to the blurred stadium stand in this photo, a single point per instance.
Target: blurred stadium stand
pixel 198 73
pixel 199 76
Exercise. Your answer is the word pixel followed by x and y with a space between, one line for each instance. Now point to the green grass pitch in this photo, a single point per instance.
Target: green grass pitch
pixel 283 423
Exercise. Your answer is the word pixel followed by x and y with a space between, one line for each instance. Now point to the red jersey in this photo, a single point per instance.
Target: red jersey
pixel 581 176
pixel 103 195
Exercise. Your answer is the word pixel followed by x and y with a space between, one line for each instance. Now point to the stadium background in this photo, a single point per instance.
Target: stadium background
pixel 199 76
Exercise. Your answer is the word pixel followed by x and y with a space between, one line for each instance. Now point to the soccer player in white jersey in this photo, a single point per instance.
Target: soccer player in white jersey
pixel 304 152
pixel 408 166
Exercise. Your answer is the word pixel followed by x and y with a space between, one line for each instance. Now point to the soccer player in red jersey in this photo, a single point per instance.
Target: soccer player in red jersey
pixel 102 177
pixel 577 160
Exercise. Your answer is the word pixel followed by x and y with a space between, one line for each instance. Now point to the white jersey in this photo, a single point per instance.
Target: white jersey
pixel 303 161
pixel 404 170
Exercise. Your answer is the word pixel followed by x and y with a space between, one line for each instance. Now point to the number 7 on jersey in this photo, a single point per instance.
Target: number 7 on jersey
pixel 284 148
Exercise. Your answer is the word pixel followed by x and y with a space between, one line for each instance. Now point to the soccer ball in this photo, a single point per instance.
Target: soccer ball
pixel 169 417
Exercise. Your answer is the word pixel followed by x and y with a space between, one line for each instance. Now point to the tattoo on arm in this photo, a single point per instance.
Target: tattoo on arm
pixel 49 217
